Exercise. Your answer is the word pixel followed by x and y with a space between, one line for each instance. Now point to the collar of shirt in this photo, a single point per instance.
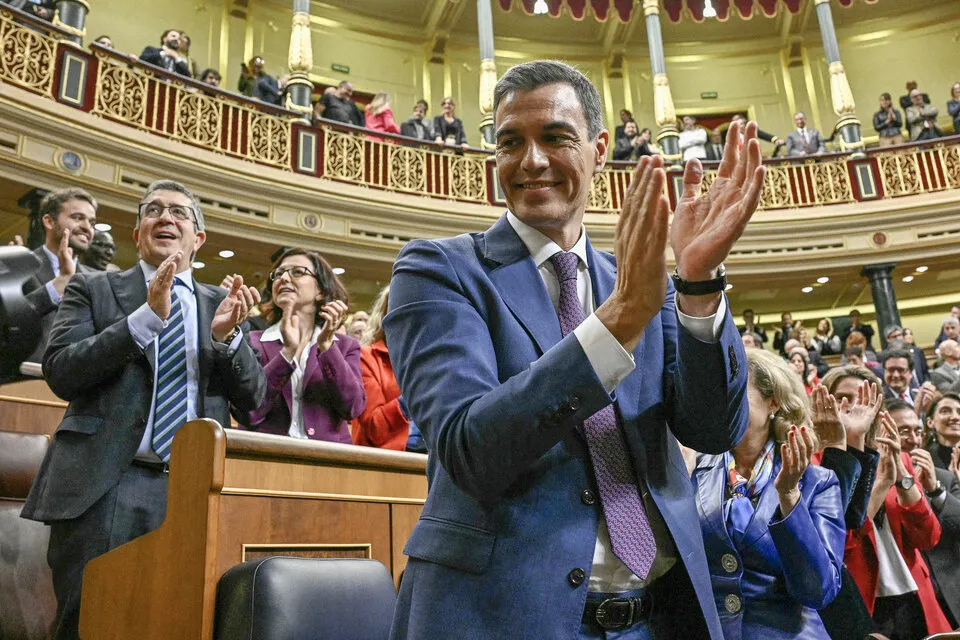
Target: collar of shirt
pixel 540 246
pixel 185 278
pixel 54 260
pixel 272 334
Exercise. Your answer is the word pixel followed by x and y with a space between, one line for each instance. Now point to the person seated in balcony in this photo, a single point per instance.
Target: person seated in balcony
pixel 447 127
pixel 167 56
pixel 338 105
pixel 693 139
pixel 249 76
pixel 906 101
pixel 105 41
pixel 185 52
pixel 632 145
pixel 715 147
pixel 314 387
pixel 210 77
pixel 804 140
pixel 270 89
pixel 953 107
pixel 888 122
pixel 379 115
pixel 922 118
pixel 418 126
pixel 946 377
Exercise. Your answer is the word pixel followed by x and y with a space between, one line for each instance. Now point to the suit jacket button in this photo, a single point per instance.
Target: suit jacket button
pixel 732 603
pixel 729 562
pixel 574 404
pixel 576 577
pixel 587 497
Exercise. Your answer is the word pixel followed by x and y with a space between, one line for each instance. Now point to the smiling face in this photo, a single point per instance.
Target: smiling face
pixel 800 120
pixel 172 40
pixel 159 238
pixel 796 360
pixel 909 427
pixel 630 129
pixel 78 216
pixel 946 421
pixel 546 159
pixel 304 292
pixel 908 336
pixel 896 373
pixel 101 251
pixel 449 107
pixel 884 102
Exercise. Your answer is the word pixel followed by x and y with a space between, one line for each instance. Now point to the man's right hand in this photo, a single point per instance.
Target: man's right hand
pixel 67 268
pixel 158 294
pixel 640 244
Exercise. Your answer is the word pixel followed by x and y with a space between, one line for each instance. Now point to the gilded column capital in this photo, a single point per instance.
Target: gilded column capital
pixel 300 57
pixel 663 109
pixel 488 82
pixel 819 2
pixel 651 7
pixel 843 103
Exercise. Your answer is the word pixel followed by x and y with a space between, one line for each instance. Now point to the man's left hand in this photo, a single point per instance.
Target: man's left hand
pixel 234 309
pixel 923 465
pixel 705 228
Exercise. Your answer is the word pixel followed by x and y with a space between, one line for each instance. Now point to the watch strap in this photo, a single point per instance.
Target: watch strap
pixel 701 287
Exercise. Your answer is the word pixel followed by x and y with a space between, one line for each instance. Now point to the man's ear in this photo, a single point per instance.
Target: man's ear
pixel 602 144
pixel 48 222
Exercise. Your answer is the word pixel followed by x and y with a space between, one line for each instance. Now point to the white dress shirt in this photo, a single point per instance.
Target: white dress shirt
pixel 145 326
pixel 895 578
pixel 297 427
pixel 612 363
pixel 693 143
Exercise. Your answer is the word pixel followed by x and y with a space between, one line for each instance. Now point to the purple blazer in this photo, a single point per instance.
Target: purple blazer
pixel 332 390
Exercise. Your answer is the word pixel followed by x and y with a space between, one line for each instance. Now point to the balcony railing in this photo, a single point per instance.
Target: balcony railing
pixel 36 57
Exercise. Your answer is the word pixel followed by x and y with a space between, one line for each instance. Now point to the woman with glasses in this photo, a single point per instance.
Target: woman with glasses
pixel 314 386
pixel 772 522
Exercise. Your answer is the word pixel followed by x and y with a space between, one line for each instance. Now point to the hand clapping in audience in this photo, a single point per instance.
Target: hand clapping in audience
pixel 67 266
pixel 233 309
pixel 795 454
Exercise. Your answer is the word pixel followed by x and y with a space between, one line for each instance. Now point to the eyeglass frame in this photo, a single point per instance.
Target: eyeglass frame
pixel 292 277
pixel 164 208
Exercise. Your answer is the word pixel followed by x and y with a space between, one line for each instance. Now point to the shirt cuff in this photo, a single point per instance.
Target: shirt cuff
pixel 230 349
pixel 610 361
pixel 705 329
pixel 938 502
pixel 55 297
pixel 144 325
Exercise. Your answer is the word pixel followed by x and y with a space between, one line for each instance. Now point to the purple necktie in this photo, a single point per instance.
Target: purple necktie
pixel 630 534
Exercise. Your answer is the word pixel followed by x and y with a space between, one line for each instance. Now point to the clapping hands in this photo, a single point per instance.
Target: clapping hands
pixel 795 454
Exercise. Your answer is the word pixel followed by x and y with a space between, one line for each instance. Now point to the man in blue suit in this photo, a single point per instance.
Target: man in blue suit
pixel 551 383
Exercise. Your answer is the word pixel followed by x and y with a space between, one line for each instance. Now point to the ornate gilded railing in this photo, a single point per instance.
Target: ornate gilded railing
pixel 36 57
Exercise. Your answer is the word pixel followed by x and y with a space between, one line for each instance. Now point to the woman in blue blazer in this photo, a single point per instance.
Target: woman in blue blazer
pixel 772 523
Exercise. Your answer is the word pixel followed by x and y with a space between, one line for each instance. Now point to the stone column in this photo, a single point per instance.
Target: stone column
pixel 71 15
pixel 666 116
pixel 300 61
pixel 884 297
pixel 843 104
pixel 488 72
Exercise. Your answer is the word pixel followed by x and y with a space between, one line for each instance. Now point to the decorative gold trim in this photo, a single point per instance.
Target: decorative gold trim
pixel 300 56
pixel 843 103
pixel 664 112
pixel 72 30
pixel 312 495
pixel 488 82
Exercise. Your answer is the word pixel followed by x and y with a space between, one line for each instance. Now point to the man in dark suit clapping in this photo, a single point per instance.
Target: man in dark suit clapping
pixel 137 353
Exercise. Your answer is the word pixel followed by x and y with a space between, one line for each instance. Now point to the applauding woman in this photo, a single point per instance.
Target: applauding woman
pixel 313 373
pixel 772 523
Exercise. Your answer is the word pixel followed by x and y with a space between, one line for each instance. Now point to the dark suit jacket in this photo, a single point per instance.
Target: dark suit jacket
pixel 94 363
pixel 945 378
pixel 36 290
pixel 944 559
pixel 268 90
pixel 154 56
pixel 499 395
pixel 714 151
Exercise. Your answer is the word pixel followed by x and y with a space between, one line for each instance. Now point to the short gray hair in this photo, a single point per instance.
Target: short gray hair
pixel 951 320
pixel 170 185
pixel 533 75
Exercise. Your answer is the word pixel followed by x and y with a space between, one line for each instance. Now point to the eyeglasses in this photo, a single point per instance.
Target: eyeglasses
pixel 295 273
pixel 895 370
pixel 153 210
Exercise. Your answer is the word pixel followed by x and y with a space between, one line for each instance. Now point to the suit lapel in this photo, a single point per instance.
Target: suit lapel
pixel 207 303
pixel 710 492
pixel 768 503
pixel 130 290
pixel 518 281
pixel 45 273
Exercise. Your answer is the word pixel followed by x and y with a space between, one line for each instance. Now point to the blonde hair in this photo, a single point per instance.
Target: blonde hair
pixel 379 101
pixel 374 331
pixel 774 379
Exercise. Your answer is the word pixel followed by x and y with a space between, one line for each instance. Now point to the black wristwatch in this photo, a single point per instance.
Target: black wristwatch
pixel 906 482
pixel 703 287
pixel 937 491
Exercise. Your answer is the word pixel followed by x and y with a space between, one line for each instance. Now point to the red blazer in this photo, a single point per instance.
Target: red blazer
pixel 916 529
pixel 381 424
pixel 382 121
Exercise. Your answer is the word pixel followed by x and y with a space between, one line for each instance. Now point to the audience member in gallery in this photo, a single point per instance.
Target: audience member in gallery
pixel 68 216
pixel 210 77
pixel 632 145
pixel 620 130
pixel 898 374
pixel 942 490
pixel 804 140
pixel 185 52
pixel 379 115
pixel 905 99
pixel 888 122
pixel 824 339
pixel 950 329
pixel 946 377
pixel 356 324
pixel 943 431
pixel 857 326
pixel 922 118
pixel 384 422
pixel 314 388
pixel 750 326
pixel 100 253
pixel 250 75
pixel 807 373
pixel 953 107
pixel 447 128
pixel 105 41
pixel 418 126
pixel 693 139
pixel 167 56
pixel 773 524
pixel 338 105
pixel 896 333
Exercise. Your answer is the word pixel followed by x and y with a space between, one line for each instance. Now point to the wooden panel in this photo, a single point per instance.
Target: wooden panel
pixel 260 551
pixel 30 407
pixel 288 521
pixel 403 517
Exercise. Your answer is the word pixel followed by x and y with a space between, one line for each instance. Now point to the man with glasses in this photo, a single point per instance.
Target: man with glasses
pixel 136 353
pixel 897 374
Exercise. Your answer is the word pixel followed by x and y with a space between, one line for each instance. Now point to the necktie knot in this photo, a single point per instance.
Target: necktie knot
pixel 565 264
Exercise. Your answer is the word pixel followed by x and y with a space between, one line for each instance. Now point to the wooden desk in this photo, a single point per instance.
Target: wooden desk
pixel 237 495
pixel 30 406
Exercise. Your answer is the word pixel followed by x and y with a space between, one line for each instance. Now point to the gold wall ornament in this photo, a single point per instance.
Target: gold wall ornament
pixel 599 198
pixel 300 57
pixel 843 103
pixel 198 120
pixel 651 7
pixel 27 57
pixel 468 178
pixel 663 109
pixel 488 82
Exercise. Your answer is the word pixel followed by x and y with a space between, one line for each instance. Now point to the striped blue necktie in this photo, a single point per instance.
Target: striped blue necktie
pixel 170 405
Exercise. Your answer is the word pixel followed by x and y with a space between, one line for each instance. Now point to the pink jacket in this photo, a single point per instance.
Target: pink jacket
pixel 382 121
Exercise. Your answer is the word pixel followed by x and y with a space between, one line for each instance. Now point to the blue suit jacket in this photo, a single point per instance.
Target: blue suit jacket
pixel 498 394
pixel 786 568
